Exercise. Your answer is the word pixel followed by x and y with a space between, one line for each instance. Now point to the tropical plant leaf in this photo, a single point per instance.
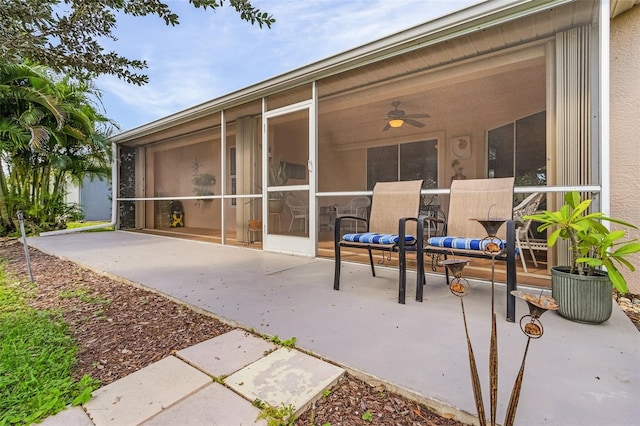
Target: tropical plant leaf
pixel 553 237
pixel 628 249
pixel 617 280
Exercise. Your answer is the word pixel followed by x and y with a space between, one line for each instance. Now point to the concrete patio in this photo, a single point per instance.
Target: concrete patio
pixel 576 374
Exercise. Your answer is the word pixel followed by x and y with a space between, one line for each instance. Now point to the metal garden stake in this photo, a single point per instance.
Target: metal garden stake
pixel 24 243
pixel 529 324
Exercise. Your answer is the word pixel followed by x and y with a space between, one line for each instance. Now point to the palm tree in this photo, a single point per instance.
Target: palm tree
pixel 50 132
pixel 23 103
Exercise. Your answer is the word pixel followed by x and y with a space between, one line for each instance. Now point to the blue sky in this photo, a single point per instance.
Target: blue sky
pixel 212 54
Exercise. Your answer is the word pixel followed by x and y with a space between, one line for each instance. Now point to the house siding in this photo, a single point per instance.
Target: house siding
pixel 625 106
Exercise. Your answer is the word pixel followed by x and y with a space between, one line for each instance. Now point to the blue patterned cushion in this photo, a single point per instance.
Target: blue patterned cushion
pixel 463 243
pixel 375 238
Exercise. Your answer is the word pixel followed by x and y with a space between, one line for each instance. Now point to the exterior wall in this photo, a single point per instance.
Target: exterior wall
pixel 625 106
pixel 94 199
pixel 72 195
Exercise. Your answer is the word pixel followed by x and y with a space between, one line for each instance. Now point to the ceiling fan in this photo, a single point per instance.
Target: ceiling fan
pixel 397 117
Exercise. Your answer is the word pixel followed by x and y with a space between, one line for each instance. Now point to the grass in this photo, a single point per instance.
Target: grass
pixel 275 416
pixel 74 225
pixel 37 356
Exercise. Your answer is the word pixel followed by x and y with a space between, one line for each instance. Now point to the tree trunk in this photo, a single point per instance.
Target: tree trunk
pixel 5 218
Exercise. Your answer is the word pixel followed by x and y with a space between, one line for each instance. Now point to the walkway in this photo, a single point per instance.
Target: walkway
pixel 576 374
pixel 185 389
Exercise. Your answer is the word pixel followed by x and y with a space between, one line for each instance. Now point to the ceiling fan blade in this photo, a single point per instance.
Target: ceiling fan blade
pixel 417 116
pixel 413 122
pixel 387 127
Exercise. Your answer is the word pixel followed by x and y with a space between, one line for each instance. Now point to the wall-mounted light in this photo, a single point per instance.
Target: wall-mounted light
pixel 396 122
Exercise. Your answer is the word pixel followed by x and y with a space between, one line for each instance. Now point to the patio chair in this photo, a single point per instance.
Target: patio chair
pixel 394 204
pixel 358 206
pixel 299 211
pixel 528 206
pixel 470 199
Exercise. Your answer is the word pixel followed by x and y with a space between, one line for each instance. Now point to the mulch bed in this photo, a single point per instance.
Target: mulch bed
pixel 121 328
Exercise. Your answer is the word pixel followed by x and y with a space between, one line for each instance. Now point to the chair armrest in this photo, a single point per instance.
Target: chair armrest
pixel 402 224
pixel 436 220
pixel 338 223
pixel 431 219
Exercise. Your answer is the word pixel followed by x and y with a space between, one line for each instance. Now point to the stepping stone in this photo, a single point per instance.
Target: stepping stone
pixel 227 353
pixel 286 376
pixel 145 393
pixel 214 405
pixel 72 416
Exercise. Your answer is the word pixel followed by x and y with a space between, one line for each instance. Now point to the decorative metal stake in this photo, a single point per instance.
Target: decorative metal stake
pixel 491 246
pixel 529 324
pixel 24 243
pixel 533 329
pixel 460 287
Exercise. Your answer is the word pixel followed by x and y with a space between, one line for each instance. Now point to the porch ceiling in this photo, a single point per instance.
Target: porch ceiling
pixel 621 6
pixel 474 98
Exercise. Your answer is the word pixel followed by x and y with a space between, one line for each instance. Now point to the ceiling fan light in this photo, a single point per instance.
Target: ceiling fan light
pixel 396 122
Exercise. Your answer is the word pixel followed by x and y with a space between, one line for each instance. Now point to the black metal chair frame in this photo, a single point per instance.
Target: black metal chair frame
pixel 508 255
pixel 400 248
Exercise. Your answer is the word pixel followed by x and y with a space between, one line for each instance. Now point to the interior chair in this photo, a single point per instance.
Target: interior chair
pixel 528 206
pixel 299 211
pixel 358 206
pixel 391 227
pixel 475 199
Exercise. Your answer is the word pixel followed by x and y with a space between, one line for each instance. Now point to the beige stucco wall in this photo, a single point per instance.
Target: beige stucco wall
pixel 625 126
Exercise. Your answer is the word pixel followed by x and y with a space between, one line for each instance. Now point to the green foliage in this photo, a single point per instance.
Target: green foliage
pixel 275 416
pixel 592 245
pixel 367 416
pixel 37 356
pixel 219 379
pixel 67 39
pixel 289 343
pixel 51 133
pixel 326 393
pixel 74 225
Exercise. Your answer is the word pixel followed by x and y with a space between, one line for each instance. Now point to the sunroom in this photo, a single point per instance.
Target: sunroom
pixel 504 88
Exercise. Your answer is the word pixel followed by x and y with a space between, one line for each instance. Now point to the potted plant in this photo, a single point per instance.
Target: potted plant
pixel 278 176
pixel 203 183
pixel 583 289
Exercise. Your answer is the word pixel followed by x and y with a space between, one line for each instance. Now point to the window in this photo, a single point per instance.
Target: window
pixel 519 149
pixel 407 161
